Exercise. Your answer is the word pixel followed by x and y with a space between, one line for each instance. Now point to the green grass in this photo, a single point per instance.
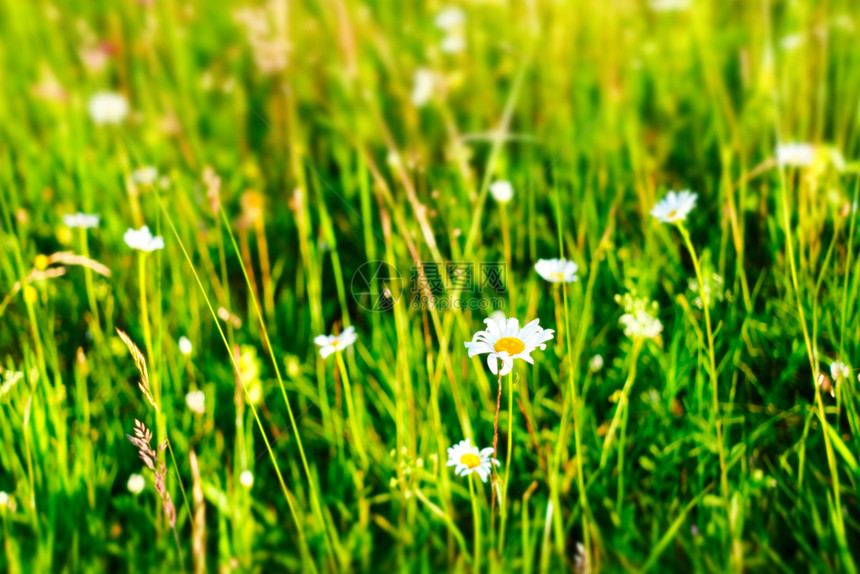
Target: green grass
pixel 720 454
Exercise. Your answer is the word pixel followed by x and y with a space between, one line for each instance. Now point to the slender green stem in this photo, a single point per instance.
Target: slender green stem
pixel 476 521
pixel 265 333
pixel 288 496
pixel 504 501
pixel 353 423
pixel 622 402
pixel 712 365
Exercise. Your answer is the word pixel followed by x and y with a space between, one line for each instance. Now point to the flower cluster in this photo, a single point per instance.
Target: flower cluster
pixel 639 318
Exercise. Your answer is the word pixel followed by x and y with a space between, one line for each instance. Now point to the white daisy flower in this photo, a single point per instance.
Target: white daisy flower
pixel 795 154
pixel 595 363
pixel 143 240
pixel 839 370
pixel 505 341
pixel 108 108
pixel 185 346
pixel 81 220
pixel 4 499
pixel 422 87
pixel 196 401
pixel 502 191
pixel 557 270
pixel 675 206
pixel 468 459
pixel 450 18
pixel 639 320
pixel 136 483
pixel 145 175
pixel 453 44
pixel 246 479
pixel 332 343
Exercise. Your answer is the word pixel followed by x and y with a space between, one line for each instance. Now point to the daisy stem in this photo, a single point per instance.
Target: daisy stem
pixel 351 410
pixel 496 420
pixel 504 501
pixel 476 520
pixel 711 360
pixel 622 403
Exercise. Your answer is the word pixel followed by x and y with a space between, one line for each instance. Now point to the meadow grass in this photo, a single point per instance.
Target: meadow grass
pixel 294 144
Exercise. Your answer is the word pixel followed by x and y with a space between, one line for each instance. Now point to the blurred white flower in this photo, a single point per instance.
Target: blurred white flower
pixel 4 499
pixel 795 154
pixel 498 316
pixel 82 220
pixel 595 363
pixel 639 319
pixel 196 401
pixel 143 240
pixel 839 370
pixel 712 291
pixel 108 108
pixel 791 42
pixel 422 87
pixel 185 346
pixel 675 206
pixel 145 175
pixel 505 341
pixel 450 19
pixel 332 343
pixel 502 191
pixel 669 5
pixel 557 270
pixel 136 483
pixel 246 478
pixel 468 459
pixel 453 44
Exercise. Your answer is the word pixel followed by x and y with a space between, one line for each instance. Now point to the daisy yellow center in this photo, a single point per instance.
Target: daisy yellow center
pixel 558 275
pixel 471 460
pixel 510 344
pixel 672 214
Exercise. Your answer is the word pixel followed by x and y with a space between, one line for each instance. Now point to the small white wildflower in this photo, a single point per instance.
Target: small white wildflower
pixel 145 175
pixel 453 44
pixel 713 290
pixel 791 42
pixel 196 401
pixel 595 363
pixel 450 19
pixel 502 191
pixel 108 108
pixel 185 346
pixel 838 370
pixel 332 343
pixel 675 206
pixel 639 318
pixel 81 220
pixel 795 154
pixel 4 499
pixel 136 483
pixel 557 270
pixel 246 478
pixel 422 86
pixel 468 459
pixel 143 240
pixel 669 5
